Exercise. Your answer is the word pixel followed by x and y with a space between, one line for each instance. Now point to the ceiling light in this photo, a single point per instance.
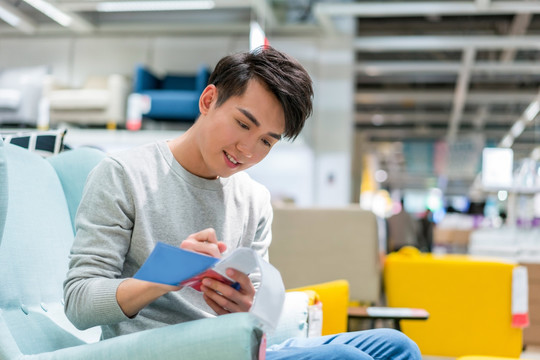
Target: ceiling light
pixel 507 141
pixel 517 128
pixel 51 11
pixel 8 17
pixel 126 6
pixel 532 110
pixel 14 17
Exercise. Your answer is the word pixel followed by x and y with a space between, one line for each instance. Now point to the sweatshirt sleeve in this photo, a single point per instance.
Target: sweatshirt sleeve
pixel 263 235
pixel 104 223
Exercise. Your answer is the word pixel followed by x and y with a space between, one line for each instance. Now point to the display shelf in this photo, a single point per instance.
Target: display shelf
pixel 520 190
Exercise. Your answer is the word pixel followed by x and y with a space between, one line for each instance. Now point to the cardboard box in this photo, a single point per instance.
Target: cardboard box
pixel 449 236
pixel 531 334
pixel 534 271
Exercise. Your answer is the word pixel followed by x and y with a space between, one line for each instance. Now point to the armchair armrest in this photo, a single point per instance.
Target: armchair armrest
pixel 50 84
pixel 118 90
pixel 334 296
pixel 144 79
pixel 234 337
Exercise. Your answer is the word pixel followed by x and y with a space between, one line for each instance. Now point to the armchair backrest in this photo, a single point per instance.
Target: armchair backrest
pixel 203 74
pixel 178 82
pixel 72 168
pixel 34 250
pixel 145 79
pixel 314 245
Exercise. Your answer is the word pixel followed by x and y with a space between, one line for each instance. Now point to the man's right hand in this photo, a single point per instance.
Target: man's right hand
pixel 133 295
pixel 204 242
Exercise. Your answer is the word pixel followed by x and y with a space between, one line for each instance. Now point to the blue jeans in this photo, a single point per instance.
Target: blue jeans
pixel 377 344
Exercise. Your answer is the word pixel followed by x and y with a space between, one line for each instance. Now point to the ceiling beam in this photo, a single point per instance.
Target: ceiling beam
pixel 519 27
pixel 381 68
pixel 440 97
pixel 460 93
pixel 483 4
pixel 447 43
pixel 481 116
pixel 417 8
pixel 399 117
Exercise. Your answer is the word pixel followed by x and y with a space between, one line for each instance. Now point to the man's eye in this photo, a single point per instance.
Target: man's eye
pixel 244 126
pixel 266 142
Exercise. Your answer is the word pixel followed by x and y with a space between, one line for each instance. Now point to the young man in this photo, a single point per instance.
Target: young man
pixel 191 192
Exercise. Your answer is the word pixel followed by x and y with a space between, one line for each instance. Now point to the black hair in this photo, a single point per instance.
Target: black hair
pixel 282 75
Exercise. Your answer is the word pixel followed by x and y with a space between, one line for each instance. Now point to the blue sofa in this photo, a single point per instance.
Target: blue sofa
pixel 170 98
pixel 38 199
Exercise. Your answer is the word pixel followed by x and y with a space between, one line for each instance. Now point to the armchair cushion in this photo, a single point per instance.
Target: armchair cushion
pixel 102 100
pixel 79 99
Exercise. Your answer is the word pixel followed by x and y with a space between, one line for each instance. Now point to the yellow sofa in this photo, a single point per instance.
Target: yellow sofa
pixel 469 301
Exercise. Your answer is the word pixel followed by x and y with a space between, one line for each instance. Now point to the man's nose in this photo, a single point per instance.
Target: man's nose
pixel 245 149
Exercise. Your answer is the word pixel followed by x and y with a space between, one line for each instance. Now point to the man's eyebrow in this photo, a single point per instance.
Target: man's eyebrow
pixel 256 122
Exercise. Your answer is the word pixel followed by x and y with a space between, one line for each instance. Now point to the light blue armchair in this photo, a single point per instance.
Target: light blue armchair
pixel 37 196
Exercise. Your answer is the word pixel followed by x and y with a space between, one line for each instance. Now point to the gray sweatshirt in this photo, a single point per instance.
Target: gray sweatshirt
pixel 136 198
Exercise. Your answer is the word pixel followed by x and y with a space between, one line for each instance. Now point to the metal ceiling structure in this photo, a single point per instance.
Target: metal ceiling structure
pixel 425 71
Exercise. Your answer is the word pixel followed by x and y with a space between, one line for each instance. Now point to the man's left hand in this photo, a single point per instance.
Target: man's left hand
pixel 225 299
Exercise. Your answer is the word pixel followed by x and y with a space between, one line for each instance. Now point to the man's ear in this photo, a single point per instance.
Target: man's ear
pixel 207 98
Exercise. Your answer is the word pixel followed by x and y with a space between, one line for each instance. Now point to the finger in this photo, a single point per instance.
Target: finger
pixel 208 235
pixel 218 309
pixel 220 299
pixel 209 249
pixel 222 246
pixel 246 286
pixel 228 297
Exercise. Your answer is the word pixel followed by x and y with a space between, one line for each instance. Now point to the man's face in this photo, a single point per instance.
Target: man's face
pixel 239 133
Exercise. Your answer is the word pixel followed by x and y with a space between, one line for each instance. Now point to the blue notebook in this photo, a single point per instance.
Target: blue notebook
pixel 171 265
